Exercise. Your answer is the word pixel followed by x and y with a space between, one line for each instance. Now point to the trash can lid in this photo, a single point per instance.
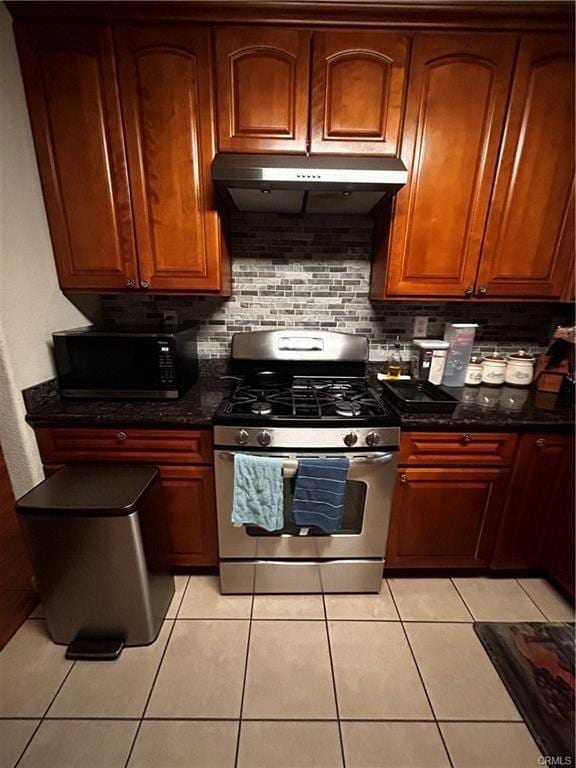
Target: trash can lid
pixel 89 489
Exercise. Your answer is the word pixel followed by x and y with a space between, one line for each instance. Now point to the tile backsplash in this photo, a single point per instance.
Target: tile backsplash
pixel 314 272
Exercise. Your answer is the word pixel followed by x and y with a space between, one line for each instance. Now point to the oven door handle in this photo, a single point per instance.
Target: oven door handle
pixel 291 465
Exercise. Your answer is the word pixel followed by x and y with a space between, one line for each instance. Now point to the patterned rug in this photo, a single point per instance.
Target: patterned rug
pixel 536 664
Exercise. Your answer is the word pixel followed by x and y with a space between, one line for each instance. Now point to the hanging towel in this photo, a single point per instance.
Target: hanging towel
pixel 258 492
pixel 319 493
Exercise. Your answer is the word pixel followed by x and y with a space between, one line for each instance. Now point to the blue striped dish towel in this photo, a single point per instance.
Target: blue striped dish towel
pixel 319 493
pixel 258 492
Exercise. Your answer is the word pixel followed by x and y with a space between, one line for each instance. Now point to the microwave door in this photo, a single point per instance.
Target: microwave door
pixel 108 366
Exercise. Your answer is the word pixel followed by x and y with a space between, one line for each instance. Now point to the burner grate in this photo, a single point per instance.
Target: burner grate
pixel 306 398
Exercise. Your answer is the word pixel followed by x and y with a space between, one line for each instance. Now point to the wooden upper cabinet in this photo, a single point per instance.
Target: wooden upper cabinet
pixel 529 239
pixel 357 92
pixel 456 103
pixel 70 80
pixel 262 86
pixel 166 89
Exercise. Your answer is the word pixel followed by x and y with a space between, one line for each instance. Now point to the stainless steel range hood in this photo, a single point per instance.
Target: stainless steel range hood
pixel 297 184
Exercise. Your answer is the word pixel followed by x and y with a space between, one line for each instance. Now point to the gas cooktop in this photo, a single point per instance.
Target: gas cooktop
pixel 303 401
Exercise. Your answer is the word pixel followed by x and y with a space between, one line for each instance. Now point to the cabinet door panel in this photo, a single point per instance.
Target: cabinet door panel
pixel 457 449
pixel 540 486
pixel 455 109
pixel 445 518
pixel 166 90
pixel 530 234
pixel 357 92
pixel 70 80
pixel 191 514
pixel 262 89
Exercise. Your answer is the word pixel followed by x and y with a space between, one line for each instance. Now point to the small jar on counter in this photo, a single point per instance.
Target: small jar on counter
pixel 474 372
pixel 493 369
pixel 520 369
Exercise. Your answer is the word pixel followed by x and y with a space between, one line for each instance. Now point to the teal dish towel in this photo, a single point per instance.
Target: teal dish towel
pixel 258 492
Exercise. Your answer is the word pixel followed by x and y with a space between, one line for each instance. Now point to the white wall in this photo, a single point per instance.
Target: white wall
pixel 31 304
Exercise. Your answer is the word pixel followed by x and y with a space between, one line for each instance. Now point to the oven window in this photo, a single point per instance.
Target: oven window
pixel 352 516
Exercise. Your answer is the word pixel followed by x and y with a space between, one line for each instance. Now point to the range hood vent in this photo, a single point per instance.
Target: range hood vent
pixel 296 184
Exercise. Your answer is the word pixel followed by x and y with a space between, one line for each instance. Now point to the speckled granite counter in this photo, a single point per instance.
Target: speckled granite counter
pixel 480 408
pixel 45 407
pixel 505 409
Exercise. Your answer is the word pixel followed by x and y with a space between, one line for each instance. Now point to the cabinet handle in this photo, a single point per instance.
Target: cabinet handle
pixel 540 443
pixel 403 478
pixel 131 284
pixel 466 438
pixel 120 436
pixel 469 291
pixel 483 290
pixel 144 284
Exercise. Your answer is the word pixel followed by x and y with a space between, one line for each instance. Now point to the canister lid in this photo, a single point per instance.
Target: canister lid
pixel 494 357
pixel 430 343
pixel 475 360
pixel 522 355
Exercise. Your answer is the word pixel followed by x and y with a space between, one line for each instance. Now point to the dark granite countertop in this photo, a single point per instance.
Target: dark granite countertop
pixel 45 407
pixel 506 409
pixel 480 408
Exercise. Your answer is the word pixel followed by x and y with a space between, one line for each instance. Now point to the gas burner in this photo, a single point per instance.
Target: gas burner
pixel 347 408
pixel 261 408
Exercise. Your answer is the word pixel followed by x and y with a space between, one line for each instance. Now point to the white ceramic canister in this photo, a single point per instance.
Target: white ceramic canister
pixel 520 369
pixel 493 369
pixel 474 371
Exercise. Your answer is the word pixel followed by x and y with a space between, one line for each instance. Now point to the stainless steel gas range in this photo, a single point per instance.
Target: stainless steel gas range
pixel 305 394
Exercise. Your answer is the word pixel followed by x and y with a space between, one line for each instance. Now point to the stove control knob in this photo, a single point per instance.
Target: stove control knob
pixel 372 439
pixel 264 437
pixel 241 437
pixel 351 439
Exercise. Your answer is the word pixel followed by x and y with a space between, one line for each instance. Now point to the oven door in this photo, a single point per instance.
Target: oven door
pixel 365 520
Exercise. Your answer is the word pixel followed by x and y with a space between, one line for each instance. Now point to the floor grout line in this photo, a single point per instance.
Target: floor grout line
pixel 237 752
pixel 461 598
pixel 52 700
pixel 333 674
pixel 435 719
pixel 532 600
pixel 141 719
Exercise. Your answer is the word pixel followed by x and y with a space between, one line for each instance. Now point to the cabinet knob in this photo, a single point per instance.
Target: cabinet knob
pixel 403 478
pixel 483 290
pixel 466 438
pixel 469 291
pixel 144 284
pixel 120 436
pixel 540 443
pixel 131 284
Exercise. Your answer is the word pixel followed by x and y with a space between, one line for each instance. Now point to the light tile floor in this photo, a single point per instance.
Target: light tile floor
pixel 397 680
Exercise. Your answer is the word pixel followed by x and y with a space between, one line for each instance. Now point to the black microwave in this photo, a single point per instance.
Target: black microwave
pixel 148 364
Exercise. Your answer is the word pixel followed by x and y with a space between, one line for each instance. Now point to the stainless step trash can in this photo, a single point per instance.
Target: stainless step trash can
pixel 98 543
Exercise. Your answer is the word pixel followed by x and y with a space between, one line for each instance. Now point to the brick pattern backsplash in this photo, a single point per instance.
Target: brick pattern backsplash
pixel 314 272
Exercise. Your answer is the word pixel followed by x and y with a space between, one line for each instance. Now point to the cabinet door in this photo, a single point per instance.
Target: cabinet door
pixel 457 94
pixel 357 92
pixel 540 487
pixel 445 518
pixel 529 239
pixel 166 90
pixel 191 514
pixel 70 79
pixel 263 87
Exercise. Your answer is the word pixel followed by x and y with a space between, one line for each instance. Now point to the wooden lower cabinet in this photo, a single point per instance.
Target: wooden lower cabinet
pixel 537 528
pixel 191 514
pixel 445 517
pixel 183 457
